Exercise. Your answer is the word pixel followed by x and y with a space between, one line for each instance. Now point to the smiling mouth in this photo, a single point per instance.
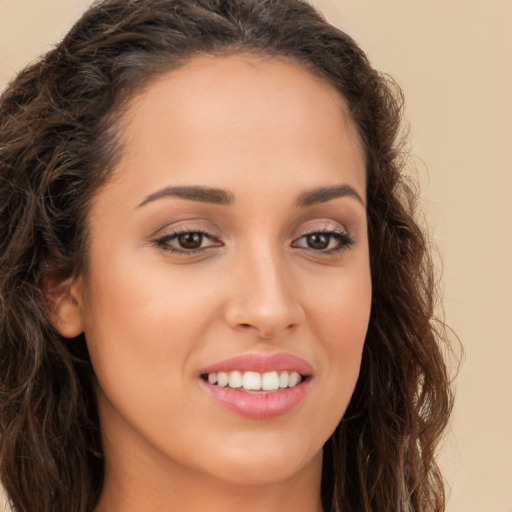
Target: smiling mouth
pixel 251 381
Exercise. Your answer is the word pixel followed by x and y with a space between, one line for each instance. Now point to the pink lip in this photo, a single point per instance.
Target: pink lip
pixel 261 363
pixel 259 405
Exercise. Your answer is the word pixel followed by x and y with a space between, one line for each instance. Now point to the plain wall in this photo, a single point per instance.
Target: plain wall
pixel 453 60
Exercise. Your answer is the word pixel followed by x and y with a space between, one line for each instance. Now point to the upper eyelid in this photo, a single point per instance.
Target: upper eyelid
pixel 330 231
pixel 168 231
pixel 336 231
pixel 180 227
pixel 177 232
pixel 324 229
pixel 324 226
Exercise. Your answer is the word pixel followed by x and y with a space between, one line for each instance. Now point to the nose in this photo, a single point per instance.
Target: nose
pixel 264 298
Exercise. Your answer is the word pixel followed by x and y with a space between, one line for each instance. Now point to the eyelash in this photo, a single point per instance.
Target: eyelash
pixel 164 241
pixel 343 239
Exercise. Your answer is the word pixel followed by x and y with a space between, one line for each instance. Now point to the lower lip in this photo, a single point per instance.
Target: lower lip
pixel 258 405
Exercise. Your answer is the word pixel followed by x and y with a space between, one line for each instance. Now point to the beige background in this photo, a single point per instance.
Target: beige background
pixel 453 59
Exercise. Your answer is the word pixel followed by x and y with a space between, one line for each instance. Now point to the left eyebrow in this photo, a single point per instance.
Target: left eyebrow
pixel 324 194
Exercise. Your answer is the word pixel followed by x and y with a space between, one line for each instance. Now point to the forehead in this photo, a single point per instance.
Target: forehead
pixel 219 113
pixel 231 91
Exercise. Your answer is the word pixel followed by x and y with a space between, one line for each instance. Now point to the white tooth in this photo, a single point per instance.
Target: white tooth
pixel 212 378
pixel 270 381
pixel 235 379
pixel 252 380
pixel 283 379
pixel 222 379
pixel 294 379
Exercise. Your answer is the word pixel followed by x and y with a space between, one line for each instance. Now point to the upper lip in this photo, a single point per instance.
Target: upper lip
pixel 261 363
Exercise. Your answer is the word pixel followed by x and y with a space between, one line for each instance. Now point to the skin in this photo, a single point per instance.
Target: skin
pixel 266 131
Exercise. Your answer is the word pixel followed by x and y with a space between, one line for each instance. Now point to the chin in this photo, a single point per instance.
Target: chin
pixel 266 469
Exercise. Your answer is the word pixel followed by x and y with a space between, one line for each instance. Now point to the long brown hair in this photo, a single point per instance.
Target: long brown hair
pixel 58 145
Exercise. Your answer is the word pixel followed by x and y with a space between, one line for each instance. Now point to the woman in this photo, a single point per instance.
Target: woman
pixel 214 291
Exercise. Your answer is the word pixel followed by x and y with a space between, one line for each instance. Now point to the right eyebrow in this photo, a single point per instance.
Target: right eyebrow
pixel 193 193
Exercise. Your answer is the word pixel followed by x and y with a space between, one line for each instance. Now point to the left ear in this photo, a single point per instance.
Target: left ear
pixel 64 299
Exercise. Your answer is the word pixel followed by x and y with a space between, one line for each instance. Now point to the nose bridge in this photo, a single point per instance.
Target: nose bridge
pixel 264 297
pixel 266 273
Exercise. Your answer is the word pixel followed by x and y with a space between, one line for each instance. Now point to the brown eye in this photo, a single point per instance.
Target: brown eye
pixel 318 241
pixel 191 240
pixel 325 242
pixel 187 242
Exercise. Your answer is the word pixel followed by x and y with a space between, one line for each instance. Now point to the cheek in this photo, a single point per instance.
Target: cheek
pixel 141 332
pixel 340 308
pixel 144 324
pixel 341 317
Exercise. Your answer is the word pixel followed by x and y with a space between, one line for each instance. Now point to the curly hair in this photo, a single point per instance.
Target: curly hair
pixel 58 145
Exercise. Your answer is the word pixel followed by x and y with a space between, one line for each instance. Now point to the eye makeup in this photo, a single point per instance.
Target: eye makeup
pixel 184 240
pixel 326 241
pixel 188 240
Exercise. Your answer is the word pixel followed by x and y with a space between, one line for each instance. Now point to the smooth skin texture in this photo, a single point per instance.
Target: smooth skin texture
pixel 157 307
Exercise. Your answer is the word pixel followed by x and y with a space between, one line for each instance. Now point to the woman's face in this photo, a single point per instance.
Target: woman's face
pixel 230 245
